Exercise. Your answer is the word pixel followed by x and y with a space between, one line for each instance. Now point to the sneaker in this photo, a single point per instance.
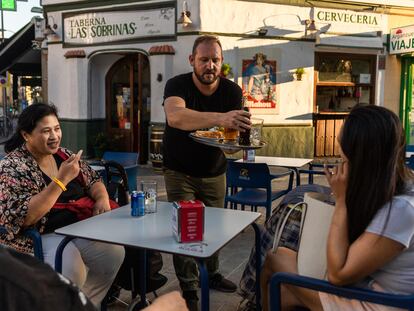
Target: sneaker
pixel 191 300
pixel 220 283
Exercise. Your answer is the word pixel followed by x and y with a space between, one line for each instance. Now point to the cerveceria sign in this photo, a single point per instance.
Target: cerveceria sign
pixel 347 17
pixel 402 40
pixel 101 27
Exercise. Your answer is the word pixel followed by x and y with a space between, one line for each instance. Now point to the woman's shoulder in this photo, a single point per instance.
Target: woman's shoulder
pixel 15 157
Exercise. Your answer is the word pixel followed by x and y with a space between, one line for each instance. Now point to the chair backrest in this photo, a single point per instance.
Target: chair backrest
pixel 116 182
pixel 248 175
pixel 124 158
pixel 314 169
pixel 405 302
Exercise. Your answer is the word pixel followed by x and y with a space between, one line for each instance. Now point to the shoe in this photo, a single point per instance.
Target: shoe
pixel 220 283
pixel 191 300
pixel 246 305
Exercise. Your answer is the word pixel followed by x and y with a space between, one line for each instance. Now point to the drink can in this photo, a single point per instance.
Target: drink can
pixel 137 203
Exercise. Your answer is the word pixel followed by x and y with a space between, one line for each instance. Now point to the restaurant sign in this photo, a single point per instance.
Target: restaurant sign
pixel 402 40
pixel 102 27
pixel 348 21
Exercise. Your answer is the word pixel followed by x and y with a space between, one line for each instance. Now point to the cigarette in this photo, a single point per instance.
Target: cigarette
pixel 79 153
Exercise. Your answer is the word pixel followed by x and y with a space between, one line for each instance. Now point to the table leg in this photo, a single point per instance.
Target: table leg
pixel 140 302
pixel 205 294
pixel 258 266
pixel 59 253
pixel 297 176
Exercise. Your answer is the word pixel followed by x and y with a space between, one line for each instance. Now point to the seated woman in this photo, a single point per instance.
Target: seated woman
pixel 35 175
pixel 370 242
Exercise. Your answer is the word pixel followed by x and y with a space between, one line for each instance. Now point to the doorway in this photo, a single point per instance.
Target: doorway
pixel 128 104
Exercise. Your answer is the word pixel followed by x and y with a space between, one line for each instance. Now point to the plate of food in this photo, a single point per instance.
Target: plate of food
pixel 215 139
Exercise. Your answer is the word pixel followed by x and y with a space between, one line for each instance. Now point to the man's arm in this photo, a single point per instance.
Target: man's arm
pixel 180 117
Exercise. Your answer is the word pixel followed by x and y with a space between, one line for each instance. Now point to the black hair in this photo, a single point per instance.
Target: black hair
pixel 373 140
pixel 206 39
pixel 27 121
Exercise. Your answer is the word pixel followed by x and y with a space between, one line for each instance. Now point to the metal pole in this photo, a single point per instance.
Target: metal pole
pixel 2 23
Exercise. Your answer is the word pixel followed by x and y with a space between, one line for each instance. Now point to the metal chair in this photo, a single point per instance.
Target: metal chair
pixel 255 182
pixel 399 301
pixel 314 169
pixel 34 235
pixel 129 161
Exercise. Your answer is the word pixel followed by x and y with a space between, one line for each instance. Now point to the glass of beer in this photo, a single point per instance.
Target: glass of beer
pixel 230 135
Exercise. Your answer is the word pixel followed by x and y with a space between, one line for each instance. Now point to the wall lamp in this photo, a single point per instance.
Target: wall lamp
pixel 310 25
pixel 50 30
pixel 262 31
pixel 184 19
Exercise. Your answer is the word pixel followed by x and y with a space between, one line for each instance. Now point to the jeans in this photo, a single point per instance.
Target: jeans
pixel 211 192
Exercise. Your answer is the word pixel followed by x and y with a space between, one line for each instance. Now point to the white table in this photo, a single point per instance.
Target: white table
pixel 292 163
pixel 154 232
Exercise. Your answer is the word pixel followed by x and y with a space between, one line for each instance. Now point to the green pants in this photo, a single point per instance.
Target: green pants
pixel 211 192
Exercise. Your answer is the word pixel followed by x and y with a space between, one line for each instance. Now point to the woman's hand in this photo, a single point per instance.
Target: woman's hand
pixel 101 206
pixel 338 179
pixel 69 169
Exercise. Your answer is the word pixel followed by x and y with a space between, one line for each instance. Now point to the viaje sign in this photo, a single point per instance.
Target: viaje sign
pixel 402 40
pixel 101 27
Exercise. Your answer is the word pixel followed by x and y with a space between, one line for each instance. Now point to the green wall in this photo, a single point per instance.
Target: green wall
pixel 286 141
pixel 80 134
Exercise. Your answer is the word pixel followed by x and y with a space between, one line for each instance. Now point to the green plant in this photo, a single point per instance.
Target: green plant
pixel 103 141
pixel 226 70
pixel 299 72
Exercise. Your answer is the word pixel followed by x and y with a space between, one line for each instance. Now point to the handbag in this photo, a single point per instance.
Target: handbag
pixel 317 217
pixel 317 211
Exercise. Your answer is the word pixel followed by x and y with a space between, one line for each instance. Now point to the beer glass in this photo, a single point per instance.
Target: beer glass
pixel 149 187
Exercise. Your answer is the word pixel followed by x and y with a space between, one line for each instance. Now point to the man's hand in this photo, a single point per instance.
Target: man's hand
pixel 168 302
pixel 236 119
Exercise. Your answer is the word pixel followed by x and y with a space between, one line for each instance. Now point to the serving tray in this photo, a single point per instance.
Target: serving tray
pixel 221 143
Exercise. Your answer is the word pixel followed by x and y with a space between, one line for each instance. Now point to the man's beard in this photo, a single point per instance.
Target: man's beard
pixel 205 81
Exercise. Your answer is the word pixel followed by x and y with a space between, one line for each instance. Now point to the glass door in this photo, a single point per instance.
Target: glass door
pixel 128 105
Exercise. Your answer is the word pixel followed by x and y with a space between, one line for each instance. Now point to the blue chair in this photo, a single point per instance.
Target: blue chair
pixel 314 169
pixel 256 183
pixel 34 235
pixel 129 160
pixel 399 301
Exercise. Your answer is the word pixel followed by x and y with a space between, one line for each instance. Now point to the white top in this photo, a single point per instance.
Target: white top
pixel 397 276
pixel 154 231
pixel 280 161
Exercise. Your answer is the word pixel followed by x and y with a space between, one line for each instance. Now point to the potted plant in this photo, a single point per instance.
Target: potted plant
pixel 299 72
pixel 226 71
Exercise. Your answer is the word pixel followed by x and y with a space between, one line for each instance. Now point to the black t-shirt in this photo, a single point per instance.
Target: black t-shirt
pixel 180 152
pixel 26 283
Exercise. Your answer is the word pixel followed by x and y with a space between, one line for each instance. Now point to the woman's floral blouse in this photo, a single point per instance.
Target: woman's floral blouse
pixel 20 180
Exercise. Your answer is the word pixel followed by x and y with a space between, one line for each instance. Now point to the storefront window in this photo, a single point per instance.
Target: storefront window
pixel 343 81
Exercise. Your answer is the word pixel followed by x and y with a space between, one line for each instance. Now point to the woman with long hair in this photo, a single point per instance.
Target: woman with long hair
pixel 370 241
pixel 35 175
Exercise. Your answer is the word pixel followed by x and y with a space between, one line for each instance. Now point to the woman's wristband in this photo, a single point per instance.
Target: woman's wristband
pixel 59 183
